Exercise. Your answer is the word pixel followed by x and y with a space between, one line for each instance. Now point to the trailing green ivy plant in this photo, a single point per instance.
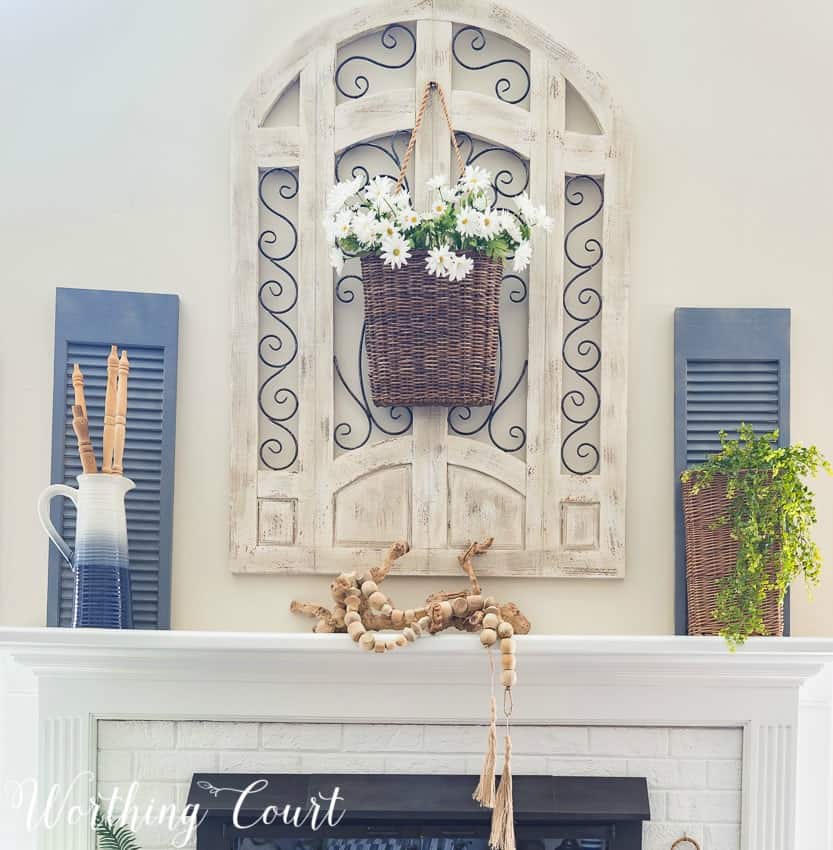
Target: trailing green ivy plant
pixel 111 836
pixel 771 513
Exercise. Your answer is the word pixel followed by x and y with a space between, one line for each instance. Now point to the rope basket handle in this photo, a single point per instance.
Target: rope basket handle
pixel 686 840
pixel 430 86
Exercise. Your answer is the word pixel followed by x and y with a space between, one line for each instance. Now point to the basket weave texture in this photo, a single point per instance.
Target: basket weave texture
pixel 431 341
pixel 711 554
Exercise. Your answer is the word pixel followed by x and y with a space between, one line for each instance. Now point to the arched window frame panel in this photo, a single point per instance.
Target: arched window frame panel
pixel 289 521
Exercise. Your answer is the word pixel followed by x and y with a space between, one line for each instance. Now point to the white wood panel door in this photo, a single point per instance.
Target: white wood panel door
pixel 322 480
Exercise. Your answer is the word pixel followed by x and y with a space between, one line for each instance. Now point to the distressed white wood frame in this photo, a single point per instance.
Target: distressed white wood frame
pixel 324 515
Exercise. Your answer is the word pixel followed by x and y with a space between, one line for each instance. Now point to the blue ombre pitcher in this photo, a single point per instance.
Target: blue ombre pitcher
pixel 99 561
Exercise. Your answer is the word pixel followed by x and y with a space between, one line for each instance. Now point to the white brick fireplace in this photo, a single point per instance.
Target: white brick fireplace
pixel 736 748
pixel 694 775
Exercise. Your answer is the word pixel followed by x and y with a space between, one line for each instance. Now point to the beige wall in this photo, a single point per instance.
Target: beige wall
pixel 114 174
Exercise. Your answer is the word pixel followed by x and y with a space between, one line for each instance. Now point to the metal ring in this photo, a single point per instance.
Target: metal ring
pixel 508 705
pixel 686 840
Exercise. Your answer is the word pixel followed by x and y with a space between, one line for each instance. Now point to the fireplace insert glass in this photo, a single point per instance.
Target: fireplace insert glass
pixel 559 842
pixel 416 812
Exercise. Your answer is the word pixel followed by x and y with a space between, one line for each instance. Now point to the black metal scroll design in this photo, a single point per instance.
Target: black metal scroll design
pixel 392 148
pixel 581 355
pixel 389 41
pixel 401 418
pixel 462 420
pixel 278 349
pixel 393 421
pixel 503 85
pixel 508 181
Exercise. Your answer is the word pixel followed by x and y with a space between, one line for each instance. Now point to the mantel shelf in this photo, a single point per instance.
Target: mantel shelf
pixel 299 657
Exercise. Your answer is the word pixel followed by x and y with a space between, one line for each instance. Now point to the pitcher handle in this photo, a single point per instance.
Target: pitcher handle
pixel 46 521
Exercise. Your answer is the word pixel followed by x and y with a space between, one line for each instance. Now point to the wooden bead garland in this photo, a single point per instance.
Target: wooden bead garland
pixel 371 619
pixel 366 612
pixel 460 606
pixel 488 637
pixel 490 621
pixel 377 599
pixel 508 676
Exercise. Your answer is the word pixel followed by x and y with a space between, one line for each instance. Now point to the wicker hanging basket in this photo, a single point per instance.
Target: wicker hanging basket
pixel 711 555
pixel 430 341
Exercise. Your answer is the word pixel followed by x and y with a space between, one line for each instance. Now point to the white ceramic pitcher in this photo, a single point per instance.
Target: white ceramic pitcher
pixel 100 559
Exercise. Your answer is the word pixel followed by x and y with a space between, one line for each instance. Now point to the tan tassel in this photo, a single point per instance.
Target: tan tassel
pixel 503 816
pixel 485 791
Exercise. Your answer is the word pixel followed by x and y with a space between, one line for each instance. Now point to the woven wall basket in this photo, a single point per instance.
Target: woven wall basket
pixel 431 341
pixel 711 554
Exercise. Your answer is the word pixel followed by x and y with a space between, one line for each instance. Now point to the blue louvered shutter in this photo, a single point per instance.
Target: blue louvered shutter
pixel 730 366
pixel 86 323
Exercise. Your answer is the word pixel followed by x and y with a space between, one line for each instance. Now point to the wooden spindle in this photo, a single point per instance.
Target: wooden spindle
pixel 110 411
pixel 82 434
pixel 121 414
pixel 78 388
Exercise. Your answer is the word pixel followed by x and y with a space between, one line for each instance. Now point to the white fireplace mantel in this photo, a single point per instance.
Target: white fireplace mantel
pixel 779 691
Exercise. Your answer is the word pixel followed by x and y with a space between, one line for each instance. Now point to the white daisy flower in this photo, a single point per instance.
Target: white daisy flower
pixel 522 202
pixel 343 223
pixel 330 227
pixel 378 191
pixel 459 267
pixel 532 215
pixel 408 218
pixel 395 251
pixel 438 182
pixel 468 222
pixel 366 227
pixel 479 201
pixel 489 224
pixel 438 208
pixel 475 179
pixel 523 254
pixel 401 200
pixel 387 229
pixel 438 260
pixel 524 205
pixel 544 220
pixel 337 259
pixel 339 225
pixel 509 223
pixel 339 194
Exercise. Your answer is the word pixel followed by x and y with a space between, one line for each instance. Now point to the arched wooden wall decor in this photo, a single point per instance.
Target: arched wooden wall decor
pixel 321 479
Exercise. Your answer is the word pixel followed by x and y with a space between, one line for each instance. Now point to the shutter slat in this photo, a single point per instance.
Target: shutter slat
pixel 87 322
pixel 731 366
